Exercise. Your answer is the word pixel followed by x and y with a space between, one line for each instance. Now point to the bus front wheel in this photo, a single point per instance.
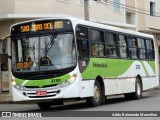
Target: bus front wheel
pixel 95 100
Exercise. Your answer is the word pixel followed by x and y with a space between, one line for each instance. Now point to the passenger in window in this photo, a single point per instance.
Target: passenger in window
pixel 150 54
pixel 93 50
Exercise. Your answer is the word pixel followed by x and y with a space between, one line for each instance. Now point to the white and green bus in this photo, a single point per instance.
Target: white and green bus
pixel 55 59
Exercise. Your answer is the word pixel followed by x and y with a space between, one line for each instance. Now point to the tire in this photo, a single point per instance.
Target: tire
pixel 138 91
pixel 96 99
pixel 44 105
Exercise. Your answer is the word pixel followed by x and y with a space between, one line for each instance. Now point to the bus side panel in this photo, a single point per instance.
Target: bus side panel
pixel 119 86
pixel 86 89
pixel 156 61
pixel 150 81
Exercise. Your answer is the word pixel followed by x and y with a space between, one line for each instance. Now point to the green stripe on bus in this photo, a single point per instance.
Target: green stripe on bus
pixel 44 82
pixel 106 67
pixel 19 81
pixel 111 67
pixel 152 65
pixel 144 68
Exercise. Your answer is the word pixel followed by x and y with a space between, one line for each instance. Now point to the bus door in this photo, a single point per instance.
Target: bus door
pixel 83 46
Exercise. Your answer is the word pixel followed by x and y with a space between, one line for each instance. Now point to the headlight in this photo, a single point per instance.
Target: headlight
pixel 19 87
pixel 13 81
pixel 72 78
pixel 69 81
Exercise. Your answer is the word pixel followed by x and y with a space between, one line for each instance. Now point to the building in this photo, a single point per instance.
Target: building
pixel 138 15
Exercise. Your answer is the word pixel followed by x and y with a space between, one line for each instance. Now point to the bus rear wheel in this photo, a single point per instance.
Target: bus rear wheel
pixel 95 100
pixel 138 91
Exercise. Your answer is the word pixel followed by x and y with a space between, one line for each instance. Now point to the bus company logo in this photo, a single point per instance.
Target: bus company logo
pixel 101 65
pixel 6 114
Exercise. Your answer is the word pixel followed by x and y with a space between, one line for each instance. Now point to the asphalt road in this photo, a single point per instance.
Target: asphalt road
pixel 149 102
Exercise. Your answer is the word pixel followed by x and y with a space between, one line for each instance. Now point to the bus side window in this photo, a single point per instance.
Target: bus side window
pixel 97 39
pixel 122 42
pixel 111 44
pixel 132 47
pixel 141 48
pixel 82 32
pixel 150 49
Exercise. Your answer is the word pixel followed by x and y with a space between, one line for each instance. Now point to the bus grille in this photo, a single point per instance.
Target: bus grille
pixel 41 87
pixel 33 94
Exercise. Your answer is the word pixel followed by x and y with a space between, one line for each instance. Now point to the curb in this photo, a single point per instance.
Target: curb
pixel 17 102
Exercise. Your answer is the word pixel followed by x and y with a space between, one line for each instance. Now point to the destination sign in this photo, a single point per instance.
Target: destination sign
pixel 41 26
pixel 23 65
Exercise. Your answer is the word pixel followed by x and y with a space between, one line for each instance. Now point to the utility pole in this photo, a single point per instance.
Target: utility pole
pixel 86 9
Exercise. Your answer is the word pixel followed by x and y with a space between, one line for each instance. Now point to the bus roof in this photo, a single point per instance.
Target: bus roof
pixel 92 24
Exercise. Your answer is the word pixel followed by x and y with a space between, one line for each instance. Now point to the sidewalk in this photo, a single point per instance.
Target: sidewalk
pixel 5 98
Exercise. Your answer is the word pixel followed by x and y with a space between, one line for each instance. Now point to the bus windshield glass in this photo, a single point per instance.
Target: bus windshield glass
pixel 43 53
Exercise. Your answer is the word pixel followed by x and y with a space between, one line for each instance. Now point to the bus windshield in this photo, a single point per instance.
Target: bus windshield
pixel 43 53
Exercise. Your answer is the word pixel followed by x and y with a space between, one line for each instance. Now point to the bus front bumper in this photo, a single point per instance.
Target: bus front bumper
pixel 70 91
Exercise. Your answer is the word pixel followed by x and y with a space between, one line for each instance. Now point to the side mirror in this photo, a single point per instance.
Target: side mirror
pixel 4 48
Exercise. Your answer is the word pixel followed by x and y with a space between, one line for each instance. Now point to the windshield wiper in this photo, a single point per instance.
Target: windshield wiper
pixel 50 44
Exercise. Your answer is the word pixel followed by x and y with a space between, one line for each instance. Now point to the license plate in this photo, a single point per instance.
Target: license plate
pixel 41 93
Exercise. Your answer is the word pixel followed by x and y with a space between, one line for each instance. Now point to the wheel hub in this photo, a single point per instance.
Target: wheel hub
pixel 138 88
pixel 96 93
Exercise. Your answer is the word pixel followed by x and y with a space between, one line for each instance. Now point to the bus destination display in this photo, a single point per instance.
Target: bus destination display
pixel 41 26
pixel 23 65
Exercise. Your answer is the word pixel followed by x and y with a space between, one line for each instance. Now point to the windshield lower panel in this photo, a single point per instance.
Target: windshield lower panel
pixel 39 54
